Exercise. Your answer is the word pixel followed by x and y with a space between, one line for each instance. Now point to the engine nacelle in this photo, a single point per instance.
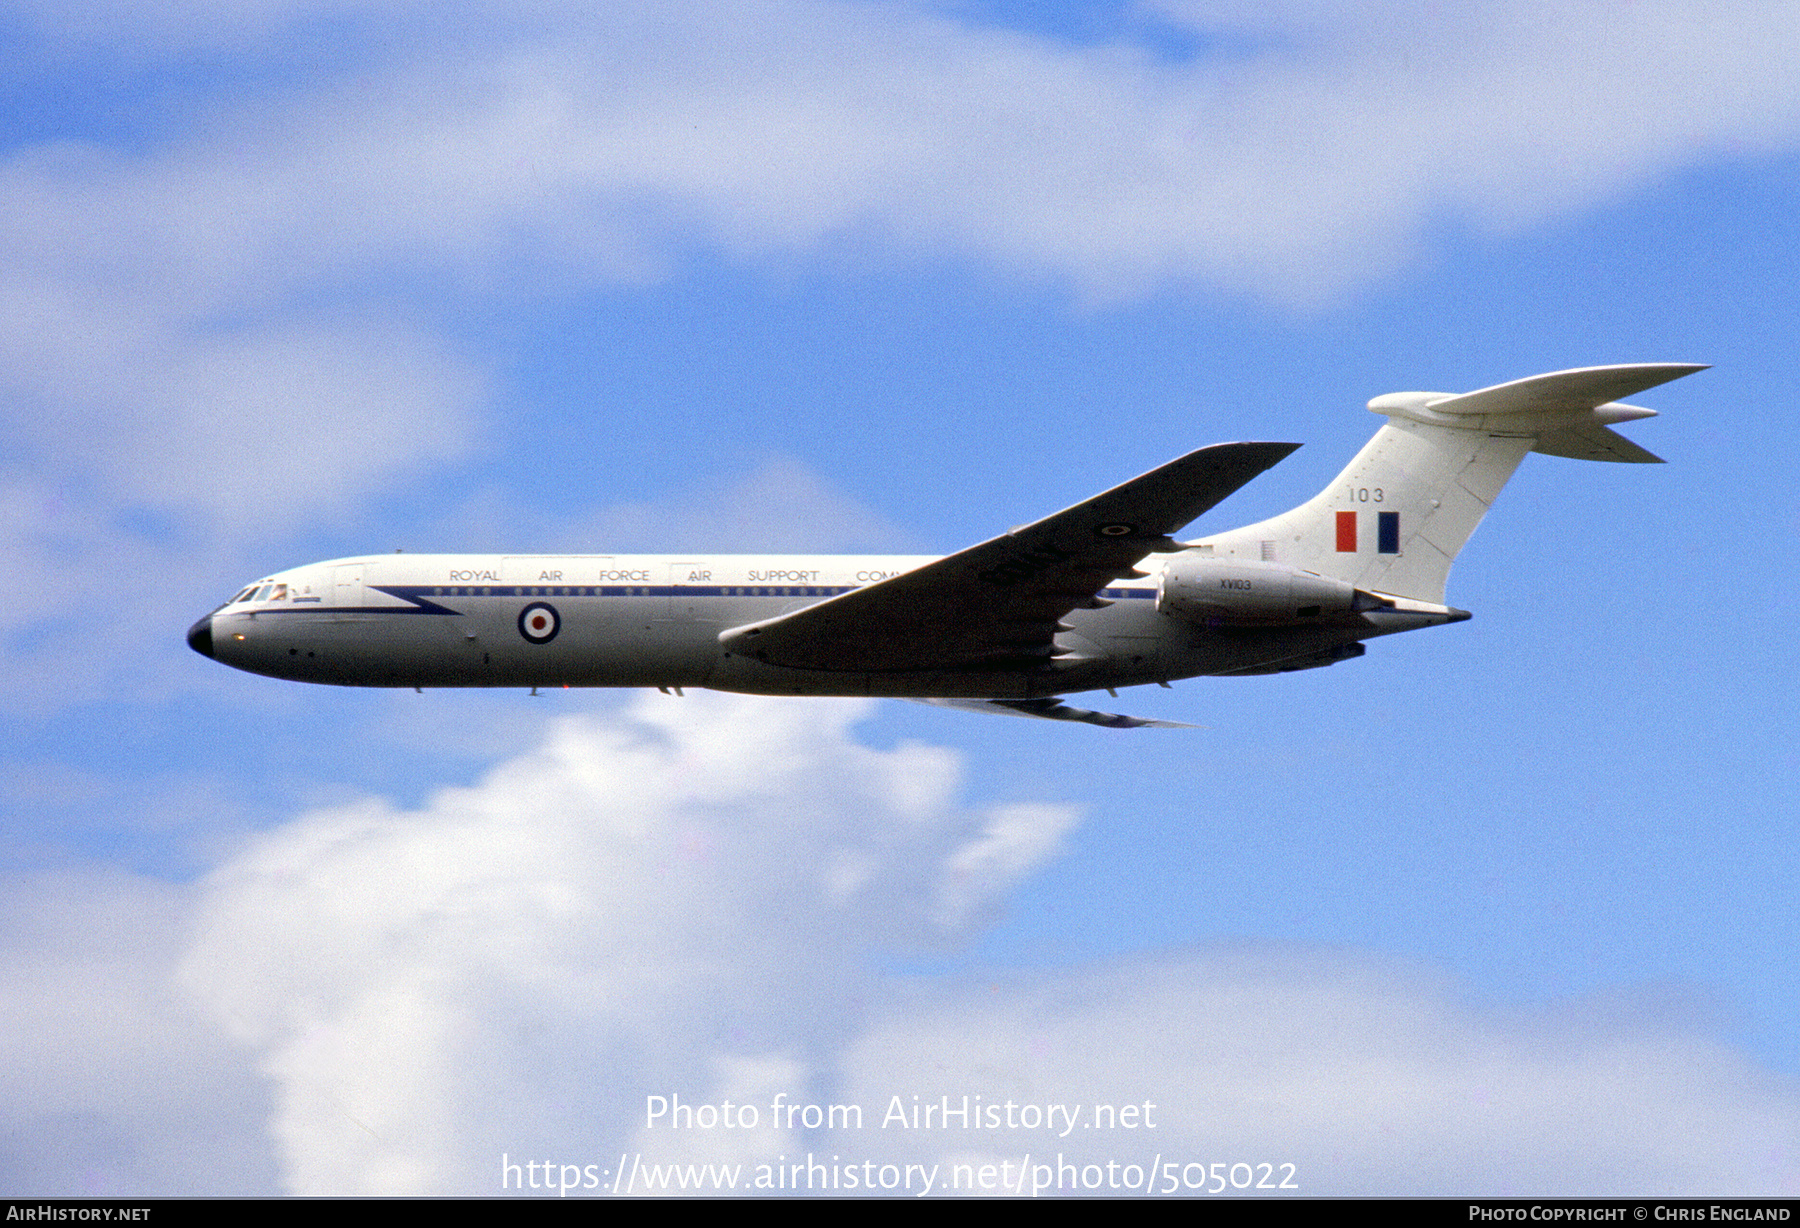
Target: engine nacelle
pixel 1198 588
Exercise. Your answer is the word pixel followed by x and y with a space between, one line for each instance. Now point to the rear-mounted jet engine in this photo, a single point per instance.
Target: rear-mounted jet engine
pixel 1241 592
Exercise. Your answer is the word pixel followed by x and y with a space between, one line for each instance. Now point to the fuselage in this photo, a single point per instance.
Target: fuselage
pixel 434 620
pixel 1097 596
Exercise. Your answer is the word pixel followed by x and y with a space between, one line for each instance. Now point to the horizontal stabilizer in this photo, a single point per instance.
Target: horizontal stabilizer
pixel 1054 710
pixel 1564 391
pixel 1596 443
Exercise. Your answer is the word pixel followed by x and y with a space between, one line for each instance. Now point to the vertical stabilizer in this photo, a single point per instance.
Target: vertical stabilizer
pixel 1394 519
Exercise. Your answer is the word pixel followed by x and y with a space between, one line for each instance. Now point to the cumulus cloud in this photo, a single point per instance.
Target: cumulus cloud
pixel 1297 151
pixel 1366 1079
pixel 689 902
pixel 677 899
pixel 1293 163
pixel 114 1081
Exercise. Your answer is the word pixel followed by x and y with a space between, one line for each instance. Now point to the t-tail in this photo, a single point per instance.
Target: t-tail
pixel 1394 519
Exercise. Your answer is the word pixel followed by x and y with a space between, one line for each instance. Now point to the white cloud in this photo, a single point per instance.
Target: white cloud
pixel 559 149
pixel 638 904
pixel 689 900
pixel 1296 164
pixel 172 294
pixel 114 1083
pixel 1368 1081
pixel 281 425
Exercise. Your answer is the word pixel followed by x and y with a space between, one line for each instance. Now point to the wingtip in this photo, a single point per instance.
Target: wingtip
pixel 1247 445
pixel 1270 452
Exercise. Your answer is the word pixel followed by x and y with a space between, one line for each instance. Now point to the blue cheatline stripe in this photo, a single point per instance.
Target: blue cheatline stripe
pixel 419 597
pixel 421 594
pixel 1387 532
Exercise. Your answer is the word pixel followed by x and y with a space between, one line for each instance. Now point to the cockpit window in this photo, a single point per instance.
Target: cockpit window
pixel 267 590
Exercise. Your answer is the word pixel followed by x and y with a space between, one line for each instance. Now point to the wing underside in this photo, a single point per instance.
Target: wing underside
pixel 998 606
pixel 1055 710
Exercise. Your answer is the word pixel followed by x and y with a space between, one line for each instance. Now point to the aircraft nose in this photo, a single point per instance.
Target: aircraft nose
pixel 200 637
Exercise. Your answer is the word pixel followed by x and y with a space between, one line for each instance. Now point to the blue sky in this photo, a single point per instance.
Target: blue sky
pixel 287 280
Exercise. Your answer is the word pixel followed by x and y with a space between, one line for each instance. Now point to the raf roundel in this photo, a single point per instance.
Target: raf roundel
pixel 539 622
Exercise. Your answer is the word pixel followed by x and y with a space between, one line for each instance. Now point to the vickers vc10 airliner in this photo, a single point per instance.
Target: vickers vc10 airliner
pixel 1095 597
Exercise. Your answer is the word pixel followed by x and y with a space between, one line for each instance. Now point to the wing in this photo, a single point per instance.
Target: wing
pixel 999 605
pixel 1055 710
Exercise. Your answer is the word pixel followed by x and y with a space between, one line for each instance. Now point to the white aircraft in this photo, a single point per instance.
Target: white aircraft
pixel 1098 596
